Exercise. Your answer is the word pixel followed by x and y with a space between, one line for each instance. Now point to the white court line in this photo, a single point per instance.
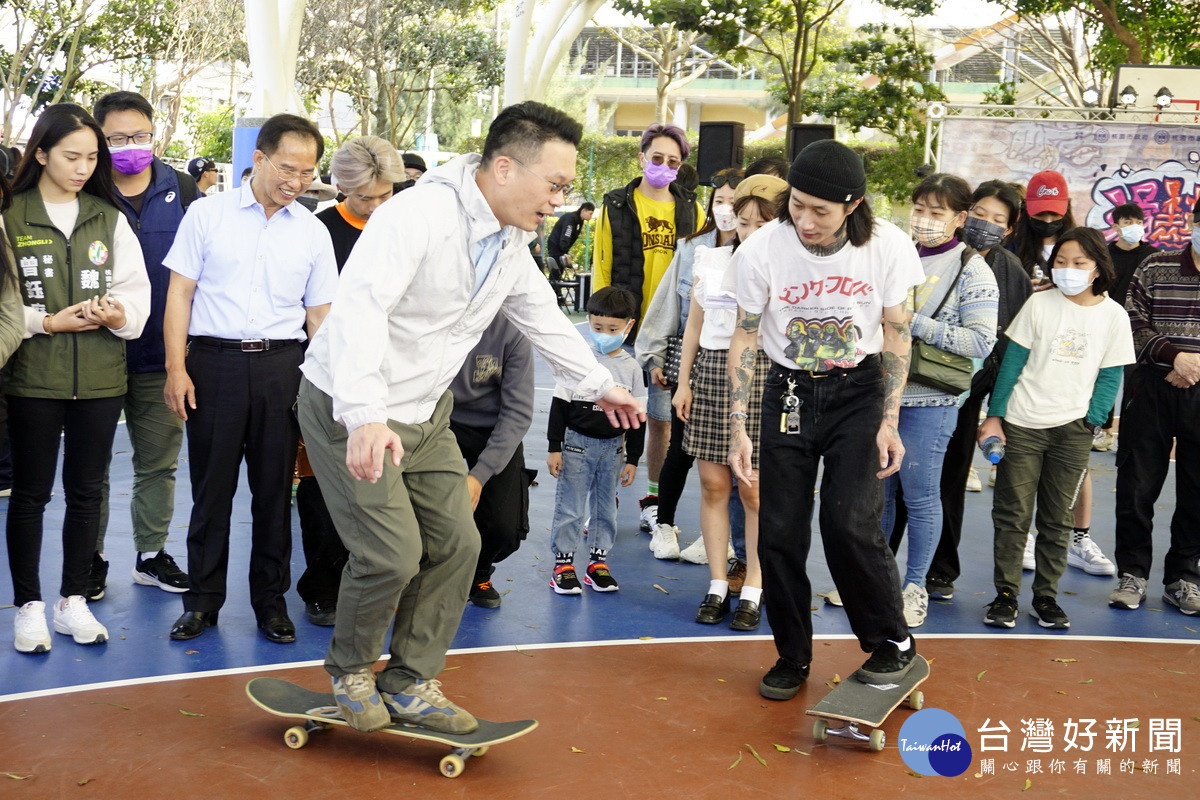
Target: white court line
pixel 87 687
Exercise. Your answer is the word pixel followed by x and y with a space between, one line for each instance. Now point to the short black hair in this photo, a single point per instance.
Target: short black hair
pixel 587 205
pixel 520 131
pixel 860 225
pixel 272 131
pixel 1094 247
pixel 122 101
pixel 1008 194
pixel 1128 211
pixel 770 165
pixel 247 172
pixel 613 301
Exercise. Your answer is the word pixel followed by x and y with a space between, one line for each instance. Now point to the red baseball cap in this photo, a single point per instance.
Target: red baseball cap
pixel 1047 191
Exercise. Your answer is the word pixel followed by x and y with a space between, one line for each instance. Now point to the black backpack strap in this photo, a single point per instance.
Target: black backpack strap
pixel 188 190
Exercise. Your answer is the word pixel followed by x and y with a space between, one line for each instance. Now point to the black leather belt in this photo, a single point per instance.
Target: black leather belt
pixel 870 361
pixel 245 345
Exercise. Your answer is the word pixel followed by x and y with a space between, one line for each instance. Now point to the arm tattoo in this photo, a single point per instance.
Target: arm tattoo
pixel 748 322
pixel 741 379
pixel 895 368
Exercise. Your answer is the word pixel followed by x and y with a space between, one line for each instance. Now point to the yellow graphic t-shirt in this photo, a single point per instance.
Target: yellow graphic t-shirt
pixel 657 222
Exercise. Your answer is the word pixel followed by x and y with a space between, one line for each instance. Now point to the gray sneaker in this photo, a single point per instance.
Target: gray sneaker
pixel 359 701
pixel 1183 595
pixel 1130 592
pixel 423 703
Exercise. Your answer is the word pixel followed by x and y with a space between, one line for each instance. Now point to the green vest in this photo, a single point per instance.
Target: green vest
pixel 56 272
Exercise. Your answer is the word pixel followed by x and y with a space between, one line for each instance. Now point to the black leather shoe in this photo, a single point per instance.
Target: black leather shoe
pixel 278 629
pixel 192 624
pixel 321 612
pixel 746 616
pixel 713 609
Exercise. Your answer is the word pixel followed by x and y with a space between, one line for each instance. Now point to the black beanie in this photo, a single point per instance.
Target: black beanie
pixel 413 161
pixel 829 170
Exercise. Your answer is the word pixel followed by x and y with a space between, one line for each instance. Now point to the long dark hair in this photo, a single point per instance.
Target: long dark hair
pixel 860 225
pixel 1007 194
pixel 1027 245
pixel 8 272
pixel 950 190
pixel 56 123
pixel 710 224
pixel 1094 247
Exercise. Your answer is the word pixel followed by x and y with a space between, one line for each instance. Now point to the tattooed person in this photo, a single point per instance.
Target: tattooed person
pixel 826 283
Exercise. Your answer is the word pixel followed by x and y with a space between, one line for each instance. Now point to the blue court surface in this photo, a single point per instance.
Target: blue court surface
pixel 657 599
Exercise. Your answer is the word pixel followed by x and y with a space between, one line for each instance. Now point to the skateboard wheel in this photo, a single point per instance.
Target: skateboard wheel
pixel 916 700
pixel 820 730
pixel 878 737
pixel 451 766
pixel 295 738
pixel 481 751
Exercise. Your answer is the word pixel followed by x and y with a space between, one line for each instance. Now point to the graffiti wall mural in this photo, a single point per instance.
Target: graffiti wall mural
pixel 1106 164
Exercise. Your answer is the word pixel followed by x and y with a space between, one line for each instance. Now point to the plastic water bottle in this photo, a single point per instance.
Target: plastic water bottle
pixel 993 449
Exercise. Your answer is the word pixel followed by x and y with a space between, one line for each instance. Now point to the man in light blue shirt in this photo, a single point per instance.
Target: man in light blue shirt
pixel 253 274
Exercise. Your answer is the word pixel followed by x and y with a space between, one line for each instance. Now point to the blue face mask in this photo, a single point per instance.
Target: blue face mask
pixel 607 342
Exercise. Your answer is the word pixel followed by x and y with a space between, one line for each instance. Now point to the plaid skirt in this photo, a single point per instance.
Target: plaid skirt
pixel 706 434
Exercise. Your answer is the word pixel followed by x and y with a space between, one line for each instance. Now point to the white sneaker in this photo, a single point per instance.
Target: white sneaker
pixel 664 542
pixel 73 617
pixel 973 482
pixel 694 553
pixel 992 476
pixel 833 598
pixel 30 634
pixel 1085 554
pixel 1102 442
pixel 916 605
pixel 1028 561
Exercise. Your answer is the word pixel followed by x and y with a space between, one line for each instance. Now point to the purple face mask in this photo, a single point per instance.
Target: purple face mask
pixel 659 175
pixel 132 158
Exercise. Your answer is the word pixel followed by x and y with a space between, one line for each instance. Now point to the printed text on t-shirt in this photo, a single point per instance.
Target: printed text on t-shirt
pixel 834 284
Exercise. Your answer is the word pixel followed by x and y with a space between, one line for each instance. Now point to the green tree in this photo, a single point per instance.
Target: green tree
pixel 787 32
pixel 212 131
pixel 1130 31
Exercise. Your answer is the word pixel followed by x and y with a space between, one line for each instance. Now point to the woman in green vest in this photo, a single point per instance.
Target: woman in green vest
pixel 85 292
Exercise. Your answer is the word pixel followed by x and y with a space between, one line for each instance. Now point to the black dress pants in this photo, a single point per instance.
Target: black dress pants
pixel 244 410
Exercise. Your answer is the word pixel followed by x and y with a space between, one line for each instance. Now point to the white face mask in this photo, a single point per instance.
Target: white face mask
pixel 1132 234
pixel 723 217
pixel 1071 281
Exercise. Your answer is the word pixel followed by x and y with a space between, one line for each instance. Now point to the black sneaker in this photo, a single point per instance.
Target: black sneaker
pixel 160 571
pixel 1002 612
pixel 565 581
pixel 600 578
pixel 888 663
pixel 97 578
pixel 321 612
pixel 783 680
pixel 483 594
pixel 939 587
pixel 1048 614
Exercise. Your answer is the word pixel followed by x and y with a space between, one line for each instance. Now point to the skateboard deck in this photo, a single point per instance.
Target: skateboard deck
pixel 856 703
pixel 320 711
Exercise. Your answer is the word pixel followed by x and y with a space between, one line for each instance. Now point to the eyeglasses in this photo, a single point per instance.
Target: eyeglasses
pixel 731 181
pixel 289 174
pixel 555 188
pixel 659 158
pixel 120 139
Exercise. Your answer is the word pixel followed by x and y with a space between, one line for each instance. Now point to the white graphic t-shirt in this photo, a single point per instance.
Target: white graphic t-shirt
pixel 1068 346
pixel 822 312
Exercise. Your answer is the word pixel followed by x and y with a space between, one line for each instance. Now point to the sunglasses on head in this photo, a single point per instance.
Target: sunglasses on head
pixel 725 180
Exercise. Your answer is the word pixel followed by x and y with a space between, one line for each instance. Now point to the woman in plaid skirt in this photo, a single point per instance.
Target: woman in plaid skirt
pixel 704 404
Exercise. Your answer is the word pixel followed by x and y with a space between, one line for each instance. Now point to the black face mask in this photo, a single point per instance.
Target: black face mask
pixel 1045 229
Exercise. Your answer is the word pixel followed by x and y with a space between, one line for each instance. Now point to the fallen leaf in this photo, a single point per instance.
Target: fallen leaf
pixel 837 678
pixel 979 677
pixel 736 761
pixel 1059 691
pixel 720 680
pixel 576 750
pixel 978 774
pixel 1132 725
pixel 1065 660
pixel 190 652
pixel 644 638
pixel 102 703
pixel 661 589
pixel 660 698
pixel 915 774
pixel 754 753
pixel 1172 671
pixel 783 749
pixel 191 713
pixel 1193 630
pixel 522 652
pixel 533 626
pixel 83 782
pixel 447 669
pixel 16 777
pixel 1028 784
pixel 1069 592
pixel 1089 680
